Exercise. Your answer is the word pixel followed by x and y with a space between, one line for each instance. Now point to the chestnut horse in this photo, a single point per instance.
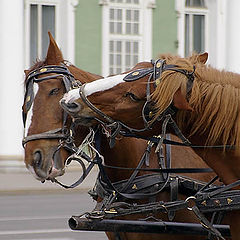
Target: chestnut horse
pixel 206 101
pixel 46 161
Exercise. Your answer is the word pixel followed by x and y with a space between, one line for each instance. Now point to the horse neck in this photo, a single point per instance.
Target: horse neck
pixel 127 152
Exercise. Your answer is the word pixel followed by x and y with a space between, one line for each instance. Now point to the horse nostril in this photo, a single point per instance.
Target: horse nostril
pixel 37 158
pixel 72 105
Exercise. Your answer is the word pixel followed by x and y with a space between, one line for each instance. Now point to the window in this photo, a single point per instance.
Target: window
pixel 192 26
pixel 123 40
pixel 123 55
pixel 42 20
pixel 41 16
pixel 195 26
pixel 123 23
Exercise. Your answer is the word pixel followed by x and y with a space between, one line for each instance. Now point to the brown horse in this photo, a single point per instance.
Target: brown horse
pixel 208 104
pixel 41 155
pixel 43 159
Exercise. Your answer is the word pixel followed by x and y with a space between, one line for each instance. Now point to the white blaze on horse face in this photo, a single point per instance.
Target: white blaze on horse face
pixel 30 113
pixel 72 95
pixel 95 86
pixel 103 84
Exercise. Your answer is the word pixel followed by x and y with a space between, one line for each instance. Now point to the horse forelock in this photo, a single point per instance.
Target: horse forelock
pixel 215 98
pixel 169 82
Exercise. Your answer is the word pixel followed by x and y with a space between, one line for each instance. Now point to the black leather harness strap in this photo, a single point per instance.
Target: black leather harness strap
pixel 154 73
pixel 64 134
pixel 33 77
pixel 51 134
pixel 173 196
pixel 92 107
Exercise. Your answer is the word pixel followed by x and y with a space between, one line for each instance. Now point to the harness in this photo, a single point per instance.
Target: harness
pixel 116 127
pixel 206 197
pixel 65 134
pixel 33 77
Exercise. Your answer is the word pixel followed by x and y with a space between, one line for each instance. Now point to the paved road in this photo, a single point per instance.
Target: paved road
pixel 44 216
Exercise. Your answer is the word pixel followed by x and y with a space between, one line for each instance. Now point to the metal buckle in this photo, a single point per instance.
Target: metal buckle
pixel 191 202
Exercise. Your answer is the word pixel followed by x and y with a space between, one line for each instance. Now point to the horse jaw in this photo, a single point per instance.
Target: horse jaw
pixel 180 101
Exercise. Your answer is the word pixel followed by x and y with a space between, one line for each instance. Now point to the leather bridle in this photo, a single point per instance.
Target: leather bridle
pixel 154 73
pixel 69 83
pixel 64 134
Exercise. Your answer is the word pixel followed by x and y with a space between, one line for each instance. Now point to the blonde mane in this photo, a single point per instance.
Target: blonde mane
pixel 215 98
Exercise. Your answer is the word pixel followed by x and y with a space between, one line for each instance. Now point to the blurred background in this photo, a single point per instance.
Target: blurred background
pixel 103 37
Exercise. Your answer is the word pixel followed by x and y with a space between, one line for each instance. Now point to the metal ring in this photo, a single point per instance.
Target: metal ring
pixel 188 201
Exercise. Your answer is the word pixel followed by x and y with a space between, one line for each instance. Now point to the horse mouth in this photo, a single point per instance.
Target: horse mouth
pixel 57 167
pixel 50 168
pixel 54 172
pixel 84 121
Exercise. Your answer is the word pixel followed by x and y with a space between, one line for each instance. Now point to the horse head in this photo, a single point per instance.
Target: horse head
pixel 123 97
pixel 113 96
pixel 48 127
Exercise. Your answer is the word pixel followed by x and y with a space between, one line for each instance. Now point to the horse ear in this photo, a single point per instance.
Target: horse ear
pixel 180 102
pixel 203 57
pixel 26 72
pixel 54 55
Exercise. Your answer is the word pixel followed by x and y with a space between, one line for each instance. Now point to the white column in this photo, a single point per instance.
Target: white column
pixel 147 31
pixel 65 36
pixel 11 78
pixel 179 7
pixel 233 36
pixel 217 34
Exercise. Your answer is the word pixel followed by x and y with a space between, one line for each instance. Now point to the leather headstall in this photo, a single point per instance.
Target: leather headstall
pixel 154 74
pixel 40 75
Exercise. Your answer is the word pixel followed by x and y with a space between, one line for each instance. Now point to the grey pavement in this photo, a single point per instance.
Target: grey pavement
pixel 16 178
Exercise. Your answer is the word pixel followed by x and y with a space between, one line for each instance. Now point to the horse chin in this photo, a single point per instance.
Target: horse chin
pixel 85 121
pixel 55 173
pixel 35 175
pixel 58 166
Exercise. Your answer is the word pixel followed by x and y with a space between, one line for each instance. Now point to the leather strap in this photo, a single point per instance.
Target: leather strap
pixel 173 196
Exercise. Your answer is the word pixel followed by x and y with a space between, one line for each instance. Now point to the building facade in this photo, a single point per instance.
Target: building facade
pixel 106 37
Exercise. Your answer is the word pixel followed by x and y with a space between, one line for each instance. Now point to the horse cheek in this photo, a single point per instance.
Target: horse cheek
pixel 180 101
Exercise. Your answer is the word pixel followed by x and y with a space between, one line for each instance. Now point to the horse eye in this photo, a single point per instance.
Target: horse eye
pixel 132 96
pixel 54 91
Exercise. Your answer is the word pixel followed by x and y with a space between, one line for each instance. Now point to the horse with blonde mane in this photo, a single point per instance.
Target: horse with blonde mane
pixel 203 101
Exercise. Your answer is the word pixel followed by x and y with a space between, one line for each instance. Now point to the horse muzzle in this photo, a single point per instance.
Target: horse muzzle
pixel 80 115
pixel 71 108
pixel 44 167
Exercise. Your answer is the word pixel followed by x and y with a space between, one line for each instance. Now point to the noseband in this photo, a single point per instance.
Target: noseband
pixel 69 83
